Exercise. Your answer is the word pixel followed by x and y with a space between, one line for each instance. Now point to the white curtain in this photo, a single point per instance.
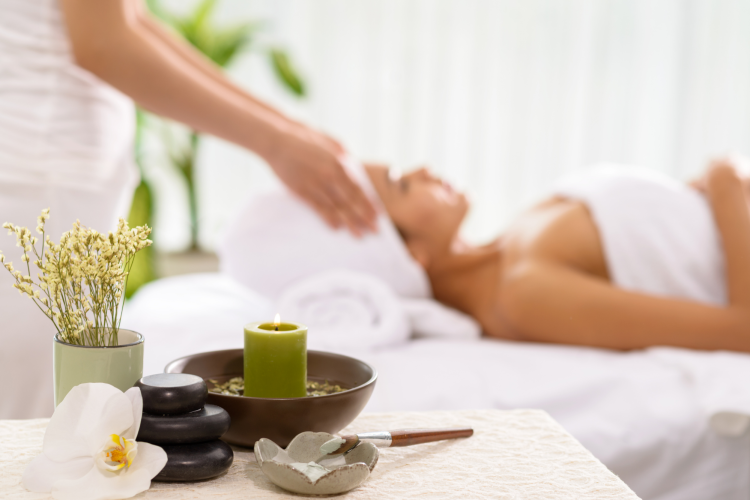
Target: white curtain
pixel 500 96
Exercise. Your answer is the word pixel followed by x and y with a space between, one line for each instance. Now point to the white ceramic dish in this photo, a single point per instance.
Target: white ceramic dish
pixel 345 472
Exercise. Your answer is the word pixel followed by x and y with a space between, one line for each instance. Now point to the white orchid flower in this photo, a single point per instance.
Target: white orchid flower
pixel 89 450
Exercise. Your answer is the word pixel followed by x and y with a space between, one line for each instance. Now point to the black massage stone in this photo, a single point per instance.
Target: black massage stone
pixel 206 424
pixel 193 462
pixel 171 393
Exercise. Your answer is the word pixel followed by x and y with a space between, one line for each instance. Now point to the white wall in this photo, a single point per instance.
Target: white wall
pixel 500 96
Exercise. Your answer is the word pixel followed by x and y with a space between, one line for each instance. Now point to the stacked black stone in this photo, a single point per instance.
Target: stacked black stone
pixel 176 418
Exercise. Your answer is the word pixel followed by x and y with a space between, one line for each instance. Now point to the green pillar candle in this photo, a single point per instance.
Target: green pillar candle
pixel 275 360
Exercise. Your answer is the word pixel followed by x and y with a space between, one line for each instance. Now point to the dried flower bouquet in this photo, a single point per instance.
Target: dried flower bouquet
pixel 83 278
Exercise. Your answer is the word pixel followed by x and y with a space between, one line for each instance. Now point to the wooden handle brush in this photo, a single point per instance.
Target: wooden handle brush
pixel 386 439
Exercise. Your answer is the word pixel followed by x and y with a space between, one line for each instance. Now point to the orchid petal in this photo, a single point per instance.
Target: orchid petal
pixel 87 416
pixel 136 399
pixel 150 461
pixel 125 483
pixel 42 473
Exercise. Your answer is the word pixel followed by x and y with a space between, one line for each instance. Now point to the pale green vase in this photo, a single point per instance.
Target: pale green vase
pixel 120 365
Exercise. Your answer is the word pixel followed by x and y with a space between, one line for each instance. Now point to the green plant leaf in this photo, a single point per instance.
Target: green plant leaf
pixel 229 42
pixel 203 12
pixel 286 72
pixel 141 213
pixel 220 44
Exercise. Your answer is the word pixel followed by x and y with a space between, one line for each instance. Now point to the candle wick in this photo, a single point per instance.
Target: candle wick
pixel 276 328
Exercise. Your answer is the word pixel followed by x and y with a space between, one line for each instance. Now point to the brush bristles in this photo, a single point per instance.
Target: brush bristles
pixel 349 443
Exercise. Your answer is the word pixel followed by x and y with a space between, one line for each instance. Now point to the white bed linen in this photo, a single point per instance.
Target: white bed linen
pixel 642 414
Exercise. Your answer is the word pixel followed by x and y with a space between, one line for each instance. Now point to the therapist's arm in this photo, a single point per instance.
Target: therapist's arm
pixel 113 40
pixel 201 63
pixel 198 61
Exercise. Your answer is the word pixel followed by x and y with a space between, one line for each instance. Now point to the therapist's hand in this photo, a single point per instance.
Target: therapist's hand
pixel 310 164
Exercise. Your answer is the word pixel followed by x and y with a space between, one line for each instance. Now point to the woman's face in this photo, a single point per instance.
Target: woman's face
pixel 420 204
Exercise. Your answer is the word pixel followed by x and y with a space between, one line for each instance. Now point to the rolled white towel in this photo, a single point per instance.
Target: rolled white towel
pixel 346 311
pixel 351 311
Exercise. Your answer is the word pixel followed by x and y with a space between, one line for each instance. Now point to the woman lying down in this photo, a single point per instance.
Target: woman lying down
pixel 617 258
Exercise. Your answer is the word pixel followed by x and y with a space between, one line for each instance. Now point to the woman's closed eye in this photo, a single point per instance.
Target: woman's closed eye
pixel 397 180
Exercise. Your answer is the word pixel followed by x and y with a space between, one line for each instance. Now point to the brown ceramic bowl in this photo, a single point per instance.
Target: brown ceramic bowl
pixel 281 419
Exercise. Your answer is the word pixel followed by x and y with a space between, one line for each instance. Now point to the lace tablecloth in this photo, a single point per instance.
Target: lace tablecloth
pixel 520 454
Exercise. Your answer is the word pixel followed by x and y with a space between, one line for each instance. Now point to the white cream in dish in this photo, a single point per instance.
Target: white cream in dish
pixel 312 470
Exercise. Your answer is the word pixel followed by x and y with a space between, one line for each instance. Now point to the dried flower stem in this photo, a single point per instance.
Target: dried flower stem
pixel 83 278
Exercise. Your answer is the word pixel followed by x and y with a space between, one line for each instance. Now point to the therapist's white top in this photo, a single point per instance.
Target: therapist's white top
pixel 56 119
pixel 66 142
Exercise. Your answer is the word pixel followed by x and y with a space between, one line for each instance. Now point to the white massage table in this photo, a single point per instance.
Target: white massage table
pixel 636 412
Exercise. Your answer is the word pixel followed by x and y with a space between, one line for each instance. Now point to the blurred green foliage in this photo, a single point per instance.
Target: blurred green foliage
pixel 286 72
pixel 220 44
pixel 141 212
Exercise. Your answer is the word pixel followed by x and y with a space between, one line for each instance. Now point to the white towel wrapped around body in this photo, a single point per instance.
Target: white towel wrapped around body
pixel 660 238
pixel 658 234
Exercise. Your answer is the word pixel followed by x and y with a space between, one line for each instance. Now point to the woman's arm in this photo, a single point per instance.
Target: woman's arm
pixel 109 40
pixel 728 197
pixel 552 303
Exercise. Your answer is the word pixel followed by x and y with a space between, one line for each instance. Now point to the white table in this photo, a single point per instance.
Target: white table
pixel 520 454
